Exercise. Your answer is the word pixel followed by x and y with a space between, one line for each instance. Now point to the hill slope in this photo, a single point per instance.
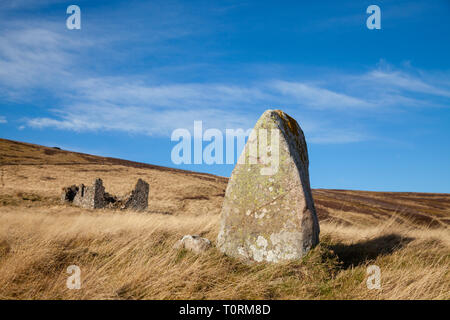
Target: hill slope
pixel 407 234
pixel 43 171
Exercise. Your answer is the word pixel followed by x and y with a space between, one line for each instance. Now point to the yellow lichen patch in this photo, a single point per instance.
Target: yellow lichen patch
pixel 291 123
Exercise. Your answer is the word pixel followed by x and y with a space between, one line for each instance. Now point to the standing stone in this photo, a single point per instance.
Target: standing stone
pixel 268 213
pixel 91 197
pixel 138 199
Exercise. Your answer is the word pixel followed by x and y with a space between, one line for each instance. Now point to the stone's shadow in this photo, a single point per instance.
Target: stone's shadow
pixel 358 253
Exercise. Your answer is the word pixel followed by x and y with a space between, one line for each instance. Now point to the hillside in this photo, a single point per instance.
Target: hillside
pixel 129 255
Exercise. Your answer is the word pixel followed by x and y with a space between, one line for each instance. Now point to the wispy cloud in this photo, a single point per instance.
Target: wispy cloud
pixel 316 97
pixel 126 91
pixel 26 4
pixel 137 119
pixel 3 120
pixel 115 104
pixel 355 16
pixel 406 82
pixel 36 59
pixel 124 104
pixel 338 136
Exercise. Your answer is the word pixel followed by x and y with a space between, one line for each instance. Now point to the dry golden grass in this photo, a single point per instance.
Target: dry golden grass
pixel 127 255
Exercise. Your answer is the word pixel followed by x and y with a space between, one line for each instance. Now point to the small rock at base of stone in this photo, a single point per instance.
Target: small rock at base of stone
pixel 194 243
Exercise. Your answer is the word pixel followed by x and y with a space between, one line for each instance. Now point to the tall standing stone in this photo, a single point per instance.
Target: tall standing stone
pixel 268 212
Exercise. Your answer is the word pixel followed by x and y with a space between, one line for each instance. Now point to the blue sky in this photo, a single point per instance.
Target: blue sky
pixel 374 104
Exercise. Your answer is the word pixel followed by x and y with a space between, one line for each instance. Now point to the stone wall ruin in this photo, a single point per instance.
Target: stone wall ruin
pixel 95 197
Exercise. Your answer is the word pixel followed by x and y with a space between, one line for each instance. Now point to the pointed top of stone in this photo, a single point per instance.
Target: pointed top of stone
pixel 291 130
pixel 268 212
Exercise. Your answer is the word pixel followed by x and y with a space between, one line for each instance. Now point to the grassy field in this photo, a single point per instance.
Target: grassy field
pixel 128 255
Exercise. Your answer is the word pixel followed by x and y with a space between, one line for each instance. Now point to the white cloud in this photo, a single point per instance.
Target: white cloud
pixel 138 119
pixel 115 104
pixel 37 58
pixel 335 136
pixel 312 96
pixel 3 120
pixel 26 4
pixel 127 105
pixel 122 91
pixel 409 83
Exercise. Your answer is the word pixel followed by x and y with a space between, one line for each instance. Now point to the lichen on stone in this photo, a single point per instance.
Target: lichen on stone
pixel 270 217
